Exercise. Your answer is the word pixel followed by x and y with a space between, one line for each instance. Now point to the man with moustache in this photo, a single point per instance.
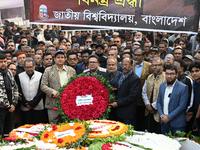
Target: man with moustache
pixel 172 102
pixel 53 79
pixel 142 69
pixel 114 77
pixel 129 86
pixel 150 93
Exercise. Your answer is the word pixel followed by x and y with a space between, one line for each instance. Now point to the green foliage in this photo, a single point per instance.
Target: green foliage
pixel 41 132
pixel 18 141
pixel 96 146
pixel 183 135
pixel 28 148
pixel 139 146
pixel 111 139
pixel 103 80
pixel 130 131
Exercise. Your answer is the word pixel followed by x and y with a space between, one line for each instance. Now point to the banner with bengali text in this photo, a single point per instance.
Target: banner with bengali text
pixel 156 15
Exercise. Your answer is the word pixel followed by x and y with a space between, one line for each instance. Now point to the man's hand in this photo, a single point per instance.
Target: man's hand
pixel 188 116
pixel 28 106
pixel 114 104
pixel 55 94
pixel 12 108
pixel 164 119
pixel 153 111
pixel 149 108
pixel 19 96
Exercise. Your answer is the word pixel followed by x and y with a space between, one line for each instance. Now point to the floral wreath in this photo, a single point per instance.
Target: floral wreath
pixel 94 87
pixel 67 135
pixel 114 128
pixel 26 135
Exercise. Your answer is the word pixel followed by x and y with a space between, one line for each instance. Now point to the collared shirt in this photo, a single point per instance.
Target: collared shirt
pixel 62 75
pixel 168 92
pixel 138 69
pixel 145 96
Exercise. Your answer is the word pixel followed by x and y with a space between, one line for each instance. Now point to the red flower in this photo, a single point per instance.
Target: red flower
pixel 46 135
pixel 6 139
pixel 60 140
pixel 81 87
pixel 54 127
pixel 78 128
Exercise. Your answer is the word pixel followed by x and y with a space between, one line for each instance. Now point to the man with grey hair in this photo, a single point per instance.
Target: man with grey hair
pixel 32 107
pixel 129 86
pixel 150 93
pixel 27 51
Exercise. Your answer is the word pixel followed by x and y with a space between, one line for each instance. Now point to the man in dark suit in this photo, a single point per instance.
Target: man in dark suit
pixel 129 86
pixel 172 101
pixel 47 60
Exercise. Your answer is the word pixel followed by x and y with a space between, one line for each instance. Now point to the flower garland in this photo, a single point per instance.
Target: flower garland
pixel 106 128
pixel 27 135
pixel 65 135
pixel 92 86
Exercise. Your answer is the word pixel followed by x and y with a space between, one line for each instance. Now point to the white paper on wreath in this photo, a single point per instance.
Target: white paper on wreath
pixel 84 100
pixel 64 133
pixel 28 130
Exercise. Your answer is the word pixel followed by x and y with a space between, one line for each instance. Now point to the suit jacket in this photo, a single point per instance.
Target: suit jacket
pixel 127 97
pixel 51 82
pixel 177 104
pixel 146 71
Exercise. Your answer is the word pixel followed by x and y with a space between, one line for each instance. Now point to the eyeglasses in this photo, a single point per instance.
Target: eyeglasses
pixel 88 41
pixel 75 46
pixel 72 59
pixel 92 62
pixel 13 69
pixel 168 58
pixel 169 74
pixel 156 65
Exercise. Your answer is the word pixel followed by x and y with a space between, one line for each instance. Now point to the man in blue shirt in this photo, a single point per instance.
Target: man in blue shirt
pixel 142 69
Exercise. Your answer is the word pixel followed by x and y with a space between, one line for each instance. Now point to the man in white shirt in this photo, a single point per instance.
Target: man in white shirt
pixel 150 93
pixel 32 107
pixel 172 102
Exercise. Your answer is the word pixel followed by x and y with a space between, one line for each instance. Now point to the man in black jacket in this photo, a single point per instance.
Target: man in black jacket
pixel 129 86
pixel 184 78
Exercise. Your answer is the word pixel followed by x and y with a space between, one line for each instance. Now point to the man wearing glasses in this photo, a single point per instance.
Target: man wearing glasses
pixel 172 102
pixel 76 47
pixel 169 59
pixel 150 93
pixel 94 66
pixel 88 42
pixel 142 69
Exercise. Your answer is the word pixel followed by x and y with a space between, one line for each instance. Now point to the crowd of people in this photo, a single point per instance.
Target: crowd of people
pixel 156 76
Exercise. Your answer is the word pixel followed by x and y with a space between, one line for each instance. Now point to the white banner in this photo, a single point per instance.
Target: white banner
pixel 6 4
